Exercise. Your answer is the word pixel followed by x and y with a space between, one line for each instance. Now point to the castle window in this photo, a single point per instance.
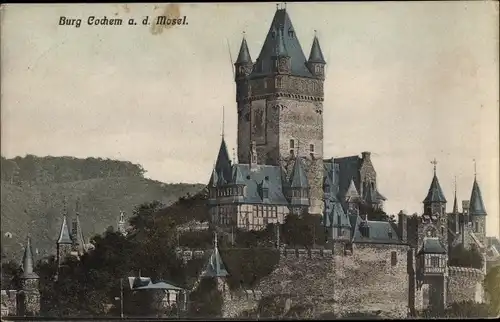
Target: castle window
pixel 476 228
pixel 394 258
pixel 292 144
pixel 311 147
pixel 290 33
pixel 442 231
pixel 435 261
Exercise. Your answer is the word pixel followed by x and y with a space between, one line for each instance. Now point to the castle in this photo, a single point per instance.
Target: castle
pixel 282 170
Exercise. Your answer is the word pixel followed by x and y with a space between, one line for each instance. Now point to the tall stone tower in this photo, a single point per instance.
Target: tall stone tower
pixel 29 294
pixel 280 104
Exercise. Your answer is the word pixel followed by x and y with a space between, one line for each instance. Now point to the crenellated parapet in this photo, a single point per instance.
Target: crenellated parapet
pixel 465 284
pixel 314 253
pixel 468 272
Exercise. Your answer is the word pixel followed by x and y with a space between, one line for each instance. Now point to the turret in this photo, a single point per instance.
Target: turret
pixel 64 242
pixel 477 212
pixel 298 189
pixel 316 62
pixel 29 295
pixel 243 64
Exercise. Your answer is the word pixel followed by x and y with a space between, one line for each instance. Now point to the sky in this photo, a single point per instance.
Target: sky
pixel 409 82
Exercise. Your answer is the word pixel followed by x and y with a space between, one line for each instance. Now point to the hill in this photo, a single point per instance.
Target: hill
pixel 33 204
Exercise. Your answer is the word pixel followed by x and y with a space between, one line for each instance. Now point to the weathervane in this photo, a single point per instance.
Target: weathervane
pixel 434 162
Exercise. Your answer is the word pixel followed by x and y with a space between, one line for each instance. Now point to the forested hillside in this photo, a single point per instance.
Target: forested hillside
pixel 34 190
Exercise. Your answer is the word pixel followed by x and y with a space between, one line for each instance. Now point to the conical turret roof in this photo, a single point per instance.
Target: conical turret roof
pixel 316 55
pixel 476 207
pixel 64 234
pixel 298 178
pixel 223 163
pixel 244 54
pixel 435 193
pixel 352 192
pixel 28 262
pixel 215 266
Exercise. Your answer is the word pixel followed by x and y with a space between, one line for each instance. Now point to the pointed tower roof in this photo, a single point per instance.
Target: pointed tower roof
pixel 281 50
pixel 298 178
pixel 316 55
pixel 244 55
pixel 28 262
pixel 215 266
pixel 64 235
pixel 352 192
pixel 223 163
pixel 476 207
pixel 220 179
pixel 435 193
pixel 264 63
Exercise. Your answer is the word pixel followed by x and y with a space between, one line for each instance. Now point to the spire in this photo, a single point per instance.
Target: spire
pixel 223 163
pixel 435 193
pixel 223 116
pixel 264 64
pixel 64 235
pixel 455 203
pixel 244 55
pixel 215 266
pixel 28 263
pixel 298 178
pixel 237 176
pixel 316 55
pixel 476 206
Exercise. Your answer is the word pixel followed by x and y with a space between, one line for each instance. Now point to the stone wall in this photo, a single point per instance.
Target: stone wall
pixel 465 284
pixel 9 302
pixel 330 281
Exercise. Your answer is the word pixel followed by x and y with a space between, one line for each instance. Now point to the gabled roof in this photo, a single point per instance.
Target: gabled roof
pixel 316 55
pixel 244 54
pixel 380 232
pixel 298 177
pixel 476 207
pixel 64 234
pixel 432 245
pixel 435 193
pixel 237 176
pixel 28 263
pixel 337 217
pixel 352 192
pixel 264 63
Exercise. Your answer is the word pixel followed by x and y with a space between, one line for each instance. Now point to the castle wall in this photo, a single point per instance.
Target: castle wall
pixel 465 284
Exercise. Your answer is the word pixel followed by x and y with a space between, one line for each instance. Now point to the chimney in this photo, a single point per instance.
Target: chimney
pixel 403 226
pixel 365 156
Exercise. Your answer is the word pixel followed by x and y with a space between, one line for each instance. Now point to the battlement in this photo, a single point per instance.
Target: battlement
pixel 465 272
pixel 306 253
pixel 246 295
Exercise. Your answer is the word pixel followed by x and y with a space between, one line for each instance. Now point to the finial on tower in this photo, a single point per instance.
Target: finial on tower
pixel 64 206
pixel 215 239
pixel 222 134
pixel 234 156
pixel 285 5
pixel 475 170
pixel 455 185
pixel 77 206
pixel 434 162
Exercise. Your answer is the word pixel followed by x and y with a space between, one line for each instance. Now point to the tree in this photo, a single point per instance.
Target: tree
pixel 492 288
pixel 462 257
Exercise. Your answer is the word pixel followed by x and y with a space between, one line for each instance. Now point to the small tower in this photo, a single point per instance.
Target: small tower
pixel 352 199
pixel 64 242
pixel 298 189
pixel 316 62
pixel 29 294
pixel 216 269
pixel 477 212
pixel 122 229
pixel 79 247
pixel 243 64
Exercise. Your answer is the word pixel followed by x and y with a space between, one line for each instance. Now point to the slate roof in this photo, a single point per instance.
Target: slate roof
pixel 28 263
pixel 455 204
pixel 348 170
pixel 432 245
pixel 352 192
pixel 316 55
pixel 252 180
pixel 159 285
pixel 64 234
pixel 138 281
pixel 380 232
pixel 435 193
pixel 244 54
pixel 476 207
pixel 264 63
pixel 337 217
pixel 493 241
